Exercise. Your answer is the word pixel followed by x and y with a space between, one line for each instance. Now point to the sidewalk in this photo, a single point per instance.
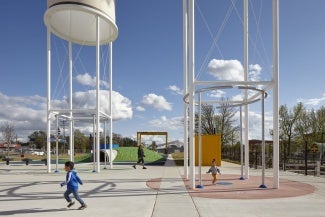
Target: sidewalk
pixel 158 191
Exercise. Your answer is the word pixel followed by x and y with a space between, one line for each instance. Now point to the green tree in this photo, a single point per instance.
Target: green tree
pixel 286 128
pixel 306 128
pixel 38 138
pixel 320 115
pixel 81 141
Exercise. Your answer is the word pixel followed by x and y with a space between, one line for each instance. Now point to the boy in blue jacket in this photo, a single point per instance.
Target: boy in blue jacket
pixel 72 181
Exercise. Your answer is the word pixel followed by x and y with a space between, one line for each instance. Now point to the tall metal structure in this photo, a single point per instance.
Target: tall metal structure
pixel 192 87
pixel 84 22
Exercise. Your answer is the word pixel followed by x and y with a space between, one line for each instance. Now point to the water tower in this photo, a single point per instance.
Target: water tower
pixel 83 22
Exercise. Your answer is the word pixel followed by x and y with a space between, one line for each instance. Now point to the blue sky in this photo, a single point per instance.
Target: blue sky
pixel 147 61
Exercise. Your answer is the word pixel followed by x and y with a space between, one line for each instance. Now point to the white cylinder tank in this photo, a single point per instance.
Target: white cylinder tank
pixel 75 21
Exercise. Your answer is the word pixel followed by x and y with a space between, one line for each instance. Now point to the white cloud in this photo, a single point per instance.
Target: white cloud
pixel 121 106
pixel 157 102
pixel 313 101
pixel 148 139
pixel 238 97
pixel 226 69
pixel 166 124
pixel 28 114
pixel 175 89
pixel 233 70
pixel 255 124
pixel 140 108
pixel 217 93
pixel 254 72
pixel 87 80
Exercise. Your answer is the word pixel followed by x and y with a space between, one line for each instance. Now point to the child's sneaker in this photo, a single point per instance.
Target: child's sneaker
pixel 83 206
pixel 144 167
pixel 134 166
pixel 70 204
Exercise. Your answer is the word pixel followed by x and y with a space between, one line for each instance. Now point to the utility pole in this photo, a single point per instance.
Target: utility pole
pixel 63 125
pixel 321 159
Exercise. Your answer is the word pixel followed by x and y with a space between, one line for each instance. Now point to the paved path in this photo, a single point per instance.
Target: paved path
pixel 158 191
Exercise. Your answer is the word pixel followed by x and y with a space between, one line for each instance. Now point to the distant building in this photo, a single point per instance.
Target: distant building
pixel 4 147
pixel 173 147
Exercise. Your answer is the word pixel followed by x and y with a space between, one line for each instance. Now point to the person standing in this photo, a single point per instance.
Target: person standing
pixel 72 181
pixel 140 158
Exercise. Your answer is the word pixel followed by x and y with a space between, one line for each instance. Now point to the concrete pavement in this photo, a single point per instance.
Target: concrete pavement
pixel 158 191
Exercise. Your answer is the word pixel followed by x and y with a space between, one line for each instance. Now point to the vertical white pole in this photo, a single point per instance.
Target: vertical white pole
pixel 241 145
pixel 246 94
pixel 105 147
pixel 48 118
pixel 57 144
pixel 200 142
pixel 70 103
pixel 72 138
pixel 263 143
pixel 191 93
pixel 94 144
pixel 110 103
pixel 276 93
pixel 185 86
pixel 97 93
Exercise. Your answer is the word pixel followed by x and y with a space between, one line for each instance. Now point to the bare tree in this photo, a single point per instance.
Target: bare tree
pixel 8 134
pixel 207 114
pixel 224 122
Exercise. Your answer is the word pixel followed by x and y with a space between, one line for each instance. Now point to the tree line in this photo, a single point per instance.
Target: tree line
pixel 299 129
pixel 82 143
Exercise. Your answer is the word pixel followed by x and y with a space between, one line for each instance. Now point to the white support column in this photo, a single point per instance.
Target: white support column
pixel 110 102
pixel 185 85
pixel 94 144
pixel 263 142
pixel 70 103
pixel 48 115
pixel 97 92
pixel 72 141
pixel 246 124
pixel 200 142
pixel 105 147
pixel 276 93
pixel 191 94
pixel 57 144
pixel 241 145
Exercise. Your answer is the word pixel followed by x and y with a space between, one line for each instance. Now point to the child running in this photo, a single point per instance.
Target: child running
pixel 214 170
pixel 72 181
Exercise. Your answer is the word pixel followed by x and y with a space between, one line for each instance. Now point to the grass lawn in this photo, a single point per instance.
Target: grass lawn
pixel 130 154
pixel 124 154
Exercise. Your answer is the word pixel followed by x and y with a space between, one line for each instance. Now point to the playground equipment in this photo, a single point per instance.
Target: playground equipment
pixel 83 22
pixel 193 86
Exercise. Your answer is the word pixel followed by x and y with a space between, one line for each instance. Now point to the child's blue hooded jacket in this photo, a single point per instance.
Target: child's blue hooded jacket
pixel 72 180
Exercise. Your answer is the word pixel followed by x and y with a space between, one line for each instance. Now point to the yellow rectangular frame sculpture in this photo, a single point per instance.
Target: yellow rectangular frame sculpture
pixel 211 148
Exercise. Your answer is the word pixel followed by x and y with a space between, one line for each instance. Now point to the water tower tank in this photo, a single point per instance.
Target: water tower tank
pixel 75 20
